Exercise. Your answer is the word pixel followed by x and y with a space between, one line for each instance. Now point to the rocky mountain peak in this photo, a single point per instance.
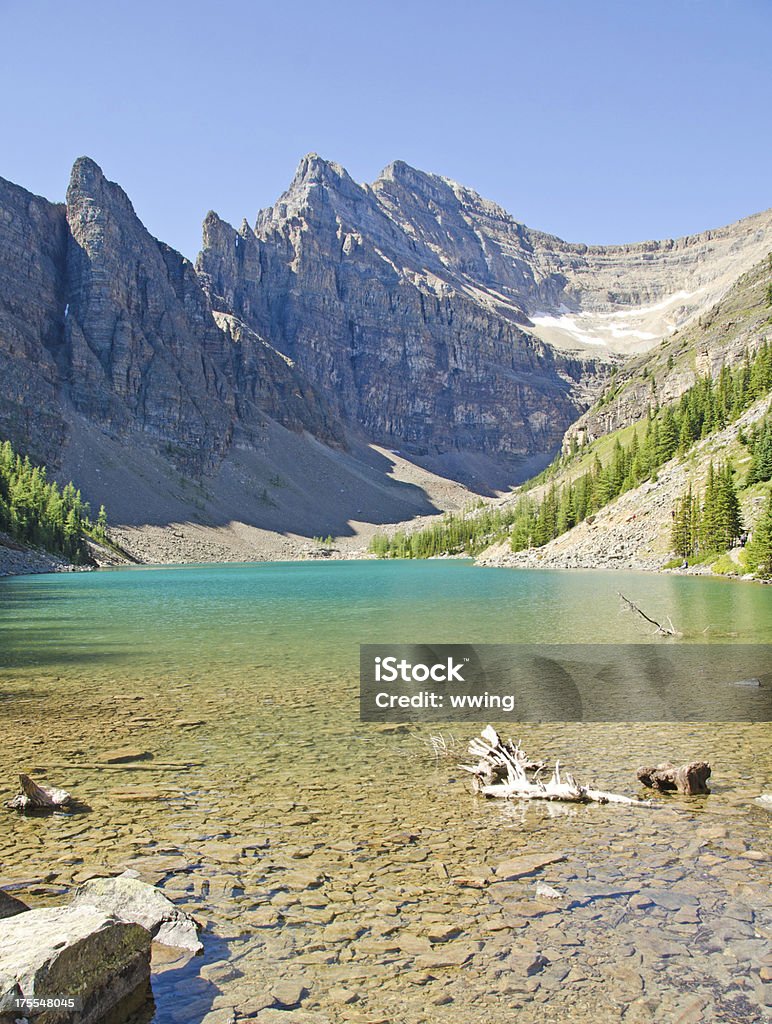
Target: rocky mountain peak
pixel 89 187
pixel 319 190
pixel 86 173
pixel 315 170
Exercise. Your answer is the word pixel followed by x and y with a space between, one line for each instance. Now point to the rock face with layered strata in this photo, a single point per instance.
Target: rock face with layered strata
pixel 408 355
pixel 100 320
pixel 33 242
pixel 409 312
pixel 431 314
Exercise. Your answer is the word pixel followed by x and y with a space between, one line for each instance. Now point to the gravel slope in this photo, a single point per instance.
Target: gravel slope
pixel 633 532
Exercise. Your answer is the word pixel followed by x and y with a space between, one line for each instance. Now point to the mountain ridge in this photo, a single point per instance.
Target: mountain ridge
pixel 351 322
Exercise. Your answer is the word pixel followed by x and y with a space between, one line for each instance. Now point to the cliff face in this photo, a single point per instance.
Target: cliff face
pixel 33 239
pixel 99 318
pixel 438 322
pixel 142 345
pixel 405 353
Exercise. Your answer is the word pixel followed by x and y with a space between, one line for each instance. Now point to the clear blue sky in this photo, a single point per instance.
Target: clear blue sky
pixel 598 121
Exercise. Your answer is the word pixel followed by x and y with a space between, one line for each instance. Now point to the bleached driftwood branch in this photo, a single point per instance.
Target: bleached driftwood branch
pixel 664 630
pixel 497 759
pixel 38 798
pixel 502 768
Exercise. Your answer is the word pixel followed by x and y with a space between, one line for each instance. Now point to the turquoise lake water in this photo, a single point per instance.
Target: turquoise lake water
pixel 293 614
pixel 317 847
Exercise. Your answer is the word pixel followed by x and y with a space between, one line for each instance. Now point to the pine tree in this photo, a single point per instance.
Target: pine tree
pixel 100 529
pixel 709 523
pixel 760 445
pixel 667 439
pixel 685 525
pixel 758 552
pixel 567 511
pixel 721 518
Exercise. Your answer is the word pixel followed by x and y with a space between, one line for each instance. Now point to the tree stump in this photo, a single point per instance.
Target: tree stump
pixel 690 779
pixel 38 798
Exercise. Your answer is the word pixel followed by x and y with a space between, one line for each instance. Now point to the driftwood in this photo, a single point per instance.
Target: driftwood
pixel 664 630
pixel 496 757
pixel 689 779
pixel 38 798
pixel 502 768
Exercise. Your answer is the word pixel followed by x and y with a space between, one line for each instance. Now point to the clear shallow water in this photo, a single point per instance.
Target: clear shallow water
pixel 297 614
pixel 318 847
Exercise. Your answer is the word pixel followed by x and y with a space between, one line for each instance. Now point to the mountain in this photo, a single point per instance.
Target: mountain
pixel 718 337
pixel 342 363
pixel 99 318
pixel 406 350
pixel 634 531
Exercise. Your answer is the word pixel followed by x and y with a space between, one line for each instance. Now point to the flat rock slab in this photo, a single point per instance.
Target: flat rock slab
pixel 586 892
pixel 289 993
pixel 273 1016
pixel 124 755
pixel 518 867
pixel 137 793
pixel 670 899
pixel 131 900
pixel 78 952
pixel 453 956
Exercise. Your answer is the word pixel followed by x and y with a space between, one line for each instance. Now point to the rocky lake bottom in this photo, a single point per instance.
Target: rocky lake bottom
pixel 343 873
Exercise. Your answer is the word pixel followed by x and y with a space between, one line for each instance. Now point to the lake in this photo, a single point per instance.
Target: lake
pixel 344 854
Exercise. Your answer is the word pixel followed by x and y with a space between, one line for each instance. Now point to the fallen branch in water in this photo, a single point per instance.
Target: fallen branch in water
pixel 498 758
pixel 664 630
pixel 440 746
pixel 38 798
pixel 502 768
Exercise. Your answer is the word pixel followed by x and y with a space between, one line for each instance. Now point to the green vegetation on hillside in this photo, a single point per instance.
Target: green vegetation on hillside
pixel 701 531
pixel 759 444
pixel 758 553
pixel 709 405
pixel 468 533
pixel 34 511
pixel 743 312
pixel 714 525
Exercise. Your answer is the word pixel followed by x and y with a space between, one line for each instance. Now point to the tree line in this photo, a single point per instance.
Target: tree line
pixel 709 405
pixel 36 512
pixel 708 527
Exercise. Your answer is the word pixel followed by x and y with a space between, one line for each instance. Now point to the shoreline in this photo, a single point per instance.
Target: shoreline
pixel 19 561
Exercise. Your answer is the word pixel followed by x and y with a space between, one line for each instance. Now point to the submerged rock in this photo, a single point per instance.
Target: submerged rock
pixel 134 901
pixel 76 952
pixel 528 864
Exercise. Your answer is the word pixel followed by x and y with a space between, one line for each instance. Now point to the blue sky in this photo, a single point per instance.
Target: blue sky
pixel 598 121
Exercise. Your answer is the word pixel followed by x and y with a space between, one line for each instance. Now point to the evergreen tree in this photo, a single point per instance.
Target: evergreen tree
pixel 721 522
pixel 567 511
pixel 758 553
pixel 685 525
pixel 760 445
pixel 36 512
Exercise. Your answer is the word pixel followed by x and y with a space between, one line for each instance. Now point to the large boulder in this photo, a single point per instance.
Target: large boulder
pixel 132 900
pixel 78 953
pixel 10 906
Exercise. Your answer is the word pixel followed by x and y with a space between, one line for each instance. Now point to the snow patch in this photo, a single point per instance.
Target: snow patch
pixel 607 329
